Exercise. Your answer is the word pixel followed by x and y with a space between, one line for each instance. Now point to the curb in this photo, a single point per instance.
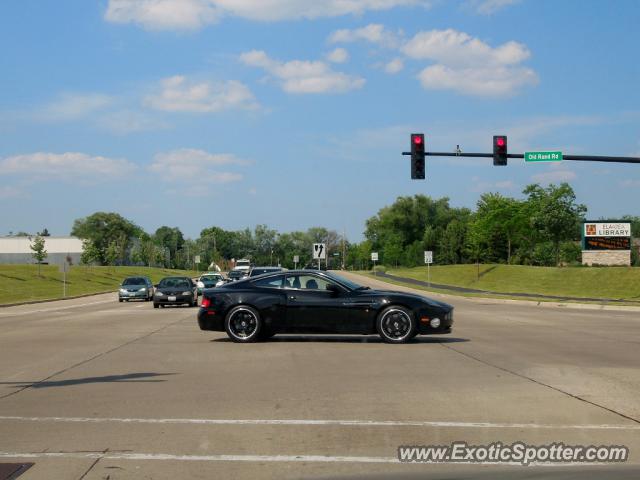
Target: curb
pixel 501 301
pixel 33 302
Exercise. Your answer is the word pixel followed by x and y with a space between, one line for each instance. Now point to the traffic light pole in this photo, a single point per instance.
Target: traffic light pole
pixel 577 158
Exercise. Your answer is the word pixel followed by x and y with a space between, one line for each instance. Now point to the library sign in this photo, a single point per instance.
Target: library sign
pixel 606 236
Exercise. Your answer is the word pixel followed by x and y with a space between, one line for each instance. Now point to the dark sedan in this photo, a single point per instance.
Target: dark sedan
pixel 305 301
pixel 176 291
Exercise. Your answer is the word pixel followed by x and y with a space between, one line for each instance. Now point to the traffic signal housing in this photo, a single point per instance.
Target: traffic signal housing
pixel 500 150
pixel 417 156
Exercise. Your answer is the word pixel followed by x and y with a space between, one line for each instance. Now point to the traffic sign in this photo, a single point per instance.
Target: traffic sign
pixel 196 259
pixel 542 156
pixel 428 257
pixel 296 259
pixel 374 256
pixel 319 251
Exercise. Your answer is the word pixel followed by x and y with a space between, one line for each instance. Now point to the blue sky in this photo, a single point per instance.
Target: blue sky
pixel 294 113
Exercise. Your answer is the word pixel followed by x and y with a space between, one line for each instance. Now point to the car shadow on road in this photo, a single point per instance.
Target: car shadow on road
pixel 142 377
pixel 347 339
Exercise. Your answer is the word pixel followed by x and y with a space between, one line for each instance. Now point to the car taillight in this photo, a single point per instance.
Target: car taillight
pixel 206 303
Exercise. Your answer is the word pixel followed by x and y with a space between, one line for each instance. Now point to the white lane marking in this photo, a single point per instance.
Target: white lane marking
pixel 265 458
pixel 348 423
pixel 55 309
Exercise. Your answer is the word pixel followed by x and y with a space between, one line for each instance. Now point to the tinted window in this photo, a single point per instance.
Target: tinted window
pixel 175 283
pixel 271 282
pixel 306 282
pixel 134 281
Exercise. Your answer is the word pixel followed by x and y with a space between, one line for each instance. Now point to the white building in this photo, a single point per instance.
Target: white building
pixel 15 250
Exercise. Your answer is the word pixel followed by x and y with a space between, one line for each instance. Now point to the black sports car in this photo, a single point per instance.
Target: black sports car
pixel 304 301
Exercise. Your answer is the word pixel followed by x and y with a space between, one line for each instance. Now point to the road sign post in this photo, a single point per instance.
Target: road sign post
pixel 63 269
pixel 296 259
pixel 428 259
pixel 319 253
pixel 374 259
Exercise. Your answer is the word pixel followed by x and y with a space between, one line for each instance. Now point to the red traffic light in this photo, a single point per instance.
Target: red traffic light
pixel 417 139
pixel 500 141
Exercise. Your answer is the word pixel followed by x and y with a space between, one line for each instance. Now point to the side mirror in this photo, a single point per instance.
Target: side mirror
pixel 334 289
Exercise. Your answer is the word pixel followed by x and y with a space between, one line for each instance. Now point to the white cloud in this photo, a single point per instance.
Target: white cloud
pixel 487 7
pixel 630 183
pixel 301 76
pixel 484 186
pixel 163 14
pixel 194 14
pixel 129 121
pixel 65 165
pixel 73 106
pixel 451 47
pixel 9 191
pixel 554 176
pixel 468 65
pixel 394 66
pixel 339 55
pixel 179 94
pixel 196 167
pixel 372 33
pixel 477 81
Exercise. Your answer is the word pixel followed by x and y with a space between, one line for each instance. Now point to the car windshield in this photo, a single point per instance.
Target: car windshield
pixel 134 281
pixel 174 283
pixel 351 285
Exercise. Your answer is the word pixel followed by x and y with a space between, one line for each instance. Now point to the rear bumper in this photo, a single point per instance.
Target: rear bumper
pixel 179 299
pixel 210 320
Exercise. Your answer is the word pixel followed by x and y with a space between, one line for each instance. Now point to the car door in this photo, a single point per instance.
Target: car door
pixel 311 307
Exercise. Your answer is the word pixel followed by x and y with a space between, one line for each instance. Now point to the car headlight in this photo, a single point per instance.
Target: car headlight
pixel 200 285
pixel 159 294
pixel 186 293
pixel 123 290
pixel 143 289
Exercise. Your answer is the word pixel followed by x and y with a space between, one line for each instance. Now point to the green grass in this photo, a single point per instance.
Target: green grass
pixel 21 283
pixel 594 282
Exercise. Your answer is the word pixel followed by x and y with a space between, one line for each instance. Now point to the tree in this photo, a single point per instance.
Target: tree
pixel 44 233
pixel 111 254
pixel 90 254
pixel 103 229
pixel 554 214
pixel 172 240
pixel 39 252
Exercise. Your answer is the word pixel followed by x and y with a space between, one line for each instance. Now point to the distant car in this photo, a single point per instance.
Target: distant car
pixel 136 288
pixel 304 301
pixel 314 266
pixel 235 275
pixel 176 291
pixel 208 280
pixel 255 271
pixel 243 264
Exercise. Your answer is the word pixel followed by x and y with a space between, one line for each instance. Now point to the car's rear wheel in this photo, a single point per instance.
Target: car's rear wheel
pixel 120 300
pixel 243 324
pixel 396 325
pixel 155 305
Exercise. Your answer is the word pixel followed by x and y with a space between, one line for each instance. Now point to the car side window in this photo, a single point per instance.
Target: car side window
pixel 271 282
pixel 307 282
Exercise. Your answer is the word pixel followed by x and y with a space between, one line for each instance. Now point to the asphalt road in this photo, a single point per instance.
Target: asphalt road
pixel 95 389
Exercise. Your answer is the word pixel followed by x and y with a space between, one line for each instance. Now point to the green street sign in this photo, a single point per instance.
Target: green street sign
pixel 542 156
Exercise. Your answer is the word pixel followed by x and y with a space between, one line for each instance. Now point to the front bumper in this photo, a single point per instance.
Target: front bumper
pixel 446 322
pixel 129 295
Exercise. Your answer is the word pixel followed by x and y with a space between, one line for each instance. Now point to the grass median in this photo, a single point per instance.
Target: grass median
pixel 619 283
pixel 21 283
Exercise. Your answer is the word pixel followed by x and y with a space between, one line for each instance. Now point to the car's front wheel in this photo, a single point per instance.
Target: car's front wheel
pixel 396 325
pixel 243 324
pixel 155 305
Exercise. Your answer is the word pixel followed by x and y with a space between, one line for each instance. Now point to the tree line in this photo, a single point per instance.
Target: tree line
pixel 542 228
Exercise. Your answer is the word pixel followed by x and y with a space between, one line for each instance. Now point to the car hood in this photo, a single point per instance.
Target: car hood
pixel 396 293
